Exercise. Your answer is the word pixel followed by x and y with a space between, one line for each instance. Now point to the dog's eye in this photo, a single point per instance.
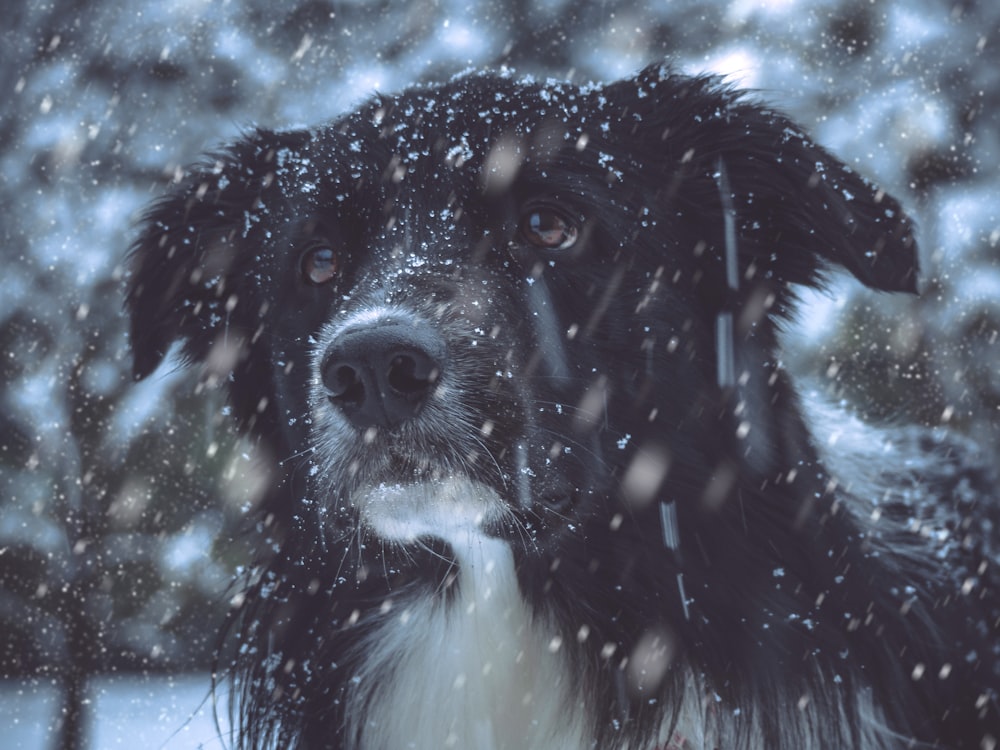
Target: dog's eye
pixel 545 228
pixel 320 264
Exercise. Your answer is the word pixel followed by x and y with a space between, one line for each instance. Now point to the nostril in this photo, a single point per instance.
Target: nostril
pixel 345 383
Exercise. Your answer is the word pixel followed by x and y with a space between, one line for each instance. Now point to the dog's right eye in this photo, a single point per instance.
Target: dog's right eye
pixel 546 228
pixel 320 264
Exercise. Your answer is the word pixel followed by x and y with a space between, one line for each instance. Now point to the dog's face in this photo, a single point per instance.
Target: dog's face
pixel 508 284
pixel 522 336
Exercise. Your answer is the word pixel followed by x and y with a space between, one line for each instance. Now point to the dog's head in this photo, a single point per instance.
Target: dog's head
pixel 546 290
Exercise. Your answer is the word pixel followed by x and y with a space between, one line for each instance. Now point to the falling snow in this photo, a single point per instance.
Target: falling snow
pixel 131 493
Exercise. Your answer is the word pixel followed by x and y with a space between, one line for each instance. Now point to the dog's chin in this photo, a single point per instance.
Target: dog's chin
pixel 454 509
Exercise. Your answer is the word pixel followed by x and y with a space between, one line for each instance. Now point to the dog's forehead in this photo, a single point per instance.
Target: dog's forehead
pixel 471 123
pixel 476 111
pixel 478 143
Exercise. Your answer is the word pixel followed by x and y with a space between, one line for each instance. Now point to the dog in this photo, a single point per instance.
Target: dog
pixel 537 476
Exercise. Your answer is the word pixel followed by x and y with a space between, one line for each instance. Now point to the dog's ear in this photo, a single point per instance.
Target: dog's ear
pixel 796 208
pixel 182 268
pixel 812 204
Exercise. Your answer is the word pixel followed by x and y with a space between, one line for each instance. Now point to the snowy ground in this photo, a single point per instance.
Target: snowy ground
pixel 155 713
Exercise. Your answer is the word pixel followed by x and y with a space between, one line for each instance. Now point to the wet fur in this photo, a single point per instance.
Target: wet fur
pixel 586 537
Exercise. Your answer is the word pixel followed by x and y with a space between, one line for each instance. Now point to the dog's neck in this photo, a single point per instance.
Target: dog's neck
pixel 473 670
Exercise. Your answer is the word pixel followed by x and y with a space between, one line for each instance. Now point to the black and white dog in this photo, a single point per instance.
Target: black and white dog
pixel 539 479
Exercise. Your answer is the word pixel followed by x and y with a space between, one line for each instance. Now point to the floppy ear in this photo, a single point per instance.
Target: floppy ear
pixel 183 267
pixel 797 208
pixel 793 198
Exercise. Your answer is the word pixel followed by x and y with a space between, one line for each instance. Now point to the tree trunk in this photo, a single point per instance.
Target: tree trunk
pixel 72 731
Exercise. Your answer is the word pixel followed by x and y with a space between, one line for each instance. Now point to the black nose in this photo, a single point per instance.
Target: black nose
pixel 381 375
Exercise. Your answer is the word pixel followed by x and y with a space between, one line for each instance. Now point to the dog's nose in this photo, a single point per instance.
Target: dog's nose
pixel 381 375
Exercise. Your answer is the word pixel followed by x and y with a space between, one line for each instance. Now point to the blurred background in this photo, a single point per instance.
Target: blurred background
pixel 121 506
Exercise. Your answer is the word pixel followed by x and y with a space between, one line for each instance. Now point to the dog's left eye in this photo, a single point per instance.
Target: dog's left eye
pixel 549 229
pixel 320 264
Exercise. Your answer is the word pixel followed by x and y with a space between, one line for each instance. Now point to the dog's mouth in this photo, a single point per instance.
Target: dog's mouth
pixel 381 457
pixel 404 489
pixel 453 509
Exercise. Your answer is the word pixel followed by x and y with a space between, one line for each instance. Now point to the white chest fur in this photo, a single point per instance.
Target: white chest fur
pixel 478 672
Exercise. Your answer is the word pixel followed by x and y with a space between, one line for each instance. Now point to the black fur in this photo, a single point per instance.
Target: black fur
pixel 561 375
